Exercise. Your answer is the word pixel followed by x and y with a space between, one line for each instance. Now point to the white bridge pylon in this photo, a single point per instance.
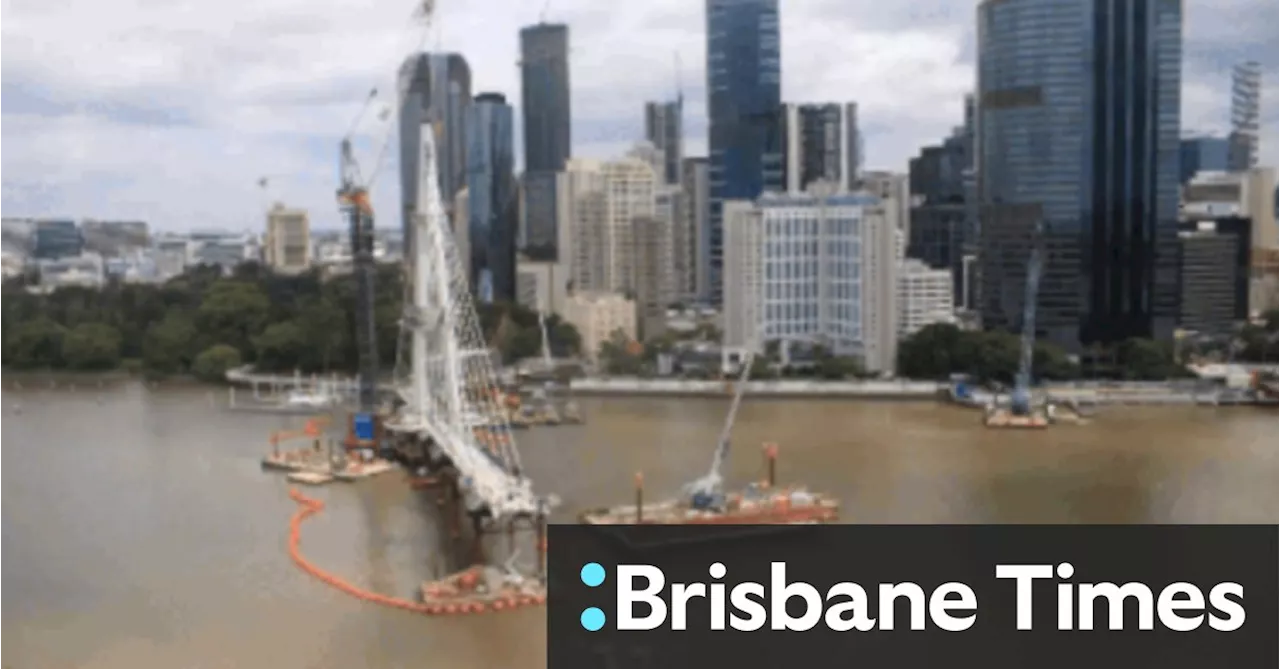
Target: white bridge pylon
pixel 450 392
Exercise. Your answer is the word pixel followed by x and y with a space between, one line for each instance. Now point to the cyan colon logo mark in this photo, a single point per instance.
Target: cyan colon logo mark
pixel 592 575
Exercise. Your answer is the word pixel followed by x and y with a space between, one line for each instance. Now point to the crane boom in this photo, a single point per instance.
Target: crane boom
pixel 710 483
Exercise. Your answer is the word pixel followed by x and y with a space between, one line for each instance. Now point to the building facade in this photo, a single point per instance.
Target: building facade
pixel 597 316
pixel 1077 151
pixel 436 93
pixel 654 288
pixel 492 202
pixel 1250 194
pixel 53 239
pixel 541 286
pixel 539 215
pixel 812 269
pixel 941 230
pixel 925 297
pixel 744 97
pixel 1246 107
pixel 820 144
pixel 664 128
pixel 544 88
pixel 605 199
pixel 288 241
pixel 696 196
pixel 1207 274
pixel 1202 154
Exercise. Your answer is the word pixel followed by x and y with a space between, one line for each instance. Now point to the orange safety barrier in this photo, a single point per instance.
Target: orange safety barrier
pixel 310 507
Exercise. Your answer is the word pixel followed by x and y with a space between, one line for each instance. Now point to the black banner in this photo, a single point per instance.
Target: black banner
pixel 816 596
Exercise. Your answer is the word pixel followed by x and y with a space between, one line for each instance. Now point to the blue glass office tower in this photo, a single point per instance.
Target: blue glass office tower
pixel 744 99
pixel 1203 154
pixel 491 198
pixel 1078 115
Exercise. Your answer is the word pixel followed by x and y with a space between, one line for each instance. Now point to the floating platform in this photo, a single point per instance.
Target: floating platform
pixel 756 506
pixel 361 470
pixel 310 478
pixel 310 461
pixel 1004 418
pixel 481 589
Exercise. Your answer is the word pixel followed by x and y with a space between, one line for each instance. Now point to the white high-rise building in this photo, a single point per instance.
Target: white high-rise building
pixel 820 269
pixel 1246 86
pixel 597 316
pixel 288 243
pixel 605 199
pixel 924 297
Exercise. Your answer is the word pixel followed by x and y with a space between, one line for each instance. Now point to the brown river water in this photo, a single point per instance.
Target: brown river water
pixel 140 532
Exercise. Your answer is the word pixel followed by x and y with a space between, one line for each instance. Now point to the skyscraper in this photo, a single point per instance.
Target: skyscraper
pixel 817 145
pixel 544 85
pixel 436 90
pixel 1203 154
pixel 664 128
pixel 1078 136
pixel 1246 81
pixel 544 81
pixel 744 96
pixel 492 198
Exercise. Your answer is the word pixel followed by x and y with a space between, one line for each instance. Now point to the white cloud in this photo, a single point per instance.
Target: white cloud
pixel 171 111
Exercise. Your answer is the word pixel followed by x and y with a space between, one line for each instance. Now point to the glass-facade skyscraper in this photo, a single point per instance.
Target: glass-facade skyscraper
pixel 436 89
pixel 744 97
pixel 664 128
pixel 544 81
pixel 1203 154
pixel 1078 123
pixel 491 198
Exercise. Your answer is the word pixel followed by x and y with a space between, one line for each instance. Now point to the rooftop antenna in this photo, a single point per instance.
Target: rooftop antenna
pixel 542 16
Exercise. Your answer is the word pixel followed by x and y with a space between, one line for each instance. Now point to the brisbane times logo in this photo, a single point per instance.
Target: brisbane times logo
pixel 646 601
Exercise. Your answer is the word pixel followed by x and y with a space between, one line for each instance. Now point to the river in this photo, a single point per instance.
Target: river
pixel 140 531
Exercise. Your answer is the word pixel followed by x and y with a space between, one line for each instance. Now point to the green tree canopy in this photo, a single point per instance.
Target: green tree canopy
pixel 214 362
pixel 303 322
pixel 91 347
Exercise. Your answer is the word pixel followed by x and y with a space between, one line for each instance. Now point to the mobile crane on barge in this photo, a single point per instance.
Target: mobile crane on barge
pixel 704 501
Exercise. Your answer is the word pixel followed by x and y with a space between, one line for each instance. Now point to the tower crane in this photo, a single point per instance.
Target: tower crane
pixel 1020 402
pixel 354 202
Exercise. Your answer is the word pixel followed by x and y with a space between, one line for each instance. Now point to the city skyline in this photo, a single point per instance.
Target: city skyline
pixel 177 127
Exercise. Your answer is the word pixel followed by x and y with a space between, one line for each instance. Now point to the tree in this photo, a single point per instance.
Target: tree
pixel 327 333
pixel 34 344
pixel 762 368
pixel 169 344
pixel 940 350
pixel 281 347
pixel 1145 359
pixel 214 362
pixel 233 312
pixel 91 347
pixel 618 355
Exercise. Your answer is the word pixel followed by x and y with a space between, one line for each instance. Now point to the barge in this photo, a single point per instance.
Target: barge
pixel 704 503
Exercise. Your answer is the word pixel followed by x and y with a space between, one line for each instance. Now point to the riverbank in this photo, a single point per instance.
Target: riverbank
pixel 786 388
pixel 1082 393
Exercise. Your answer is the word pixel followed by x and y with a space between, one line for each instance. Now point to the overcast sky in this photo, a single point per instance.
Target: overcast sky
pixel 171 110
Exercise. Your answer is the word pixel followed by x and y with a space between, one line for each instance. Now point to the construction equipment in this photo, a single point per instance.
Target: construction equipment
pixel 353 198
pixel 705 490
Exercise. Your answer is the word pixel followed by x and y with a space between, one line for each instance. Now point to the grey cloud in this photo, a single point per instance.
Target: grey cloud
pixel 27 99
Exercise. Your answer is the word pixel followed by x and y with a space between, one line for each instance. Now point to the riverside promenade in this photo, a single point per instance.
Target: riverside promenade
pixel 1085 393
